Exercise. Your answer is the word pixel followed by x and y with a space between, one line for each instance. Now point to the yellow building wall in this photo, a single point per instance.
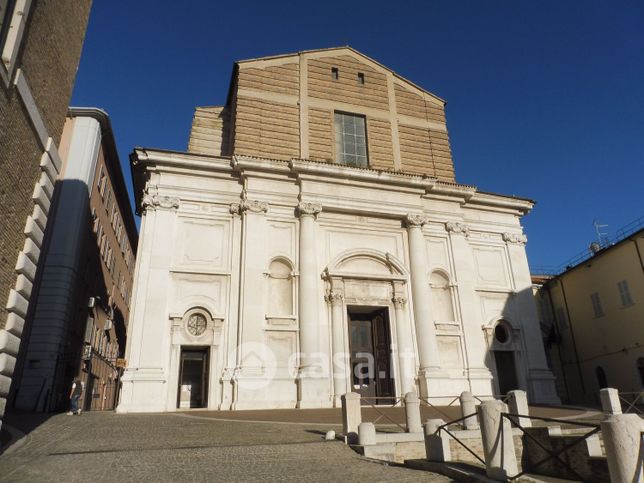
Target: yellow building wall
pixel 613 341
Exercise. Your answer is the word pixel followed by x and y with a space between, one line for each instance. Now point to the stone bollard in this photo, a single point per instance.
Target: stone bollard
pixel 518 404
pixel 468 406
pixel 412 413
pixel 623 443
pixel 366 434
pixel 351 416
pixel 610 401
pixel 436 445
pixel 498 446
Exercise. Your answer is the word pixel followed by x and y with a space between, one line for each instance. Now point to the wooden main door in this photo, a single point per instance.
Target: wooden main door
pixel 370 347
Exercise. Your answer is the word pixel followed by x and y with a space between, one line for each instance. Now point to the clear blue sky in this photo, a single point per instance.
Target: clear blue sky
pixel 545 99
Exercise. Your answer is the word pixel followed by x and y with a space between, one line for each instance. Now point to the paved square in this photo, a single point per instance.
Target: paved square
pixel 185 447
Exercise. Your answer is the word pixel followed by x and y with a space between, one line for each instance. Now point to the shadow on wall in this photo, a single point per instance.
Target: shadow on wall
pixel 515 352
pixel 70 271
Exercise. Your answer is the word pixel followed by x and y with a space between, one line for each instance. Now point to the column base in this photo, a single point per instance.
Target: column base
pixel 144 390
pixel 542 387
pixel 313 389
pixel 439 387
pixel 226 384
pixel 480 381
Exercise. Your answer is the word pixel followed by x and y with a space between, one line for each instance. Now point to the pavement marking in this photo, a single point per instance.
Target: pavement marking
pixel 172 448
pixel 229 420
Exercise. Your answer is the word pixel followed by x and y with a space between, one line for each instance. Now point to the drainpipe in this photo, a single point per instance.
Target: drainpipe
pixel 572 334
pixel 639 254
pixel 554 321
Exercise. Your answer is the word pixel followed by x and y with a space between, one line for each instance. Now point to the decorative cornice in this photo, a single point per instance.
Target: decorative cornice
pixel 416 219
pixel 519 238
pixel 457 228
pixel 152 200
pixel 399 301
pixel 334 298
pixel 306 208
pixel 254 206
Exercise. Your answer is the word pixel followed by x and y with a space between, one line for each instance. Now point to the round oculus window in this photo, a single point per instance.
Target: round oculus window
pixel 196 324
pixel 501 333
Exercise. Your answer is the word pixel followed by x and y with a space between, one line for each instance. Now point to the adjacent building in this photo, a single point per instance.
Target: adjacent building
pixel 313 241
pixel 40 46
pixel 82 298
pixel 592 315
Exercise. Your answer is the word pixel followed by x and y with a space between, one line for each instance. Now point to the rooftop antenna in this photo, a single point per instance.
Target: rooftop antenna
pixel 602 237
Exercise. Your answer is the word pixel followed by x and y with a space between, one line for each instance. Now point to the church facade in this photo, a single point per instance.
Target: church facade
pixel 313 241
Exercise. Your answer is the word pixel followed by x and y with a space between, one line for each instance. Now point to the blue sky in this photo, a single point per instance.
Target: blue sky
pixel 545 99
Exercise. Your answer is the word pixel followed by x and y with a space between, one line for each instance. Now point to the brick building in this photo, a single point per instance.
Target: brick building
pixel 313 241
pixel 40 44
pixel 82 300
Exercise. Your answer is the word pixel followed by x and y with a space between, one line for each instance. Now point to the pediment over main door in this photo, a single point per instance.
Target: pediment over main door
pixel 366 264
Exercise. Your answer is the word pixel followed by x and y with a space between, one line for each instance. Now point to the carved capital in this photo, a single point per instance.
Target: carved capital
pixel 305 208
pixel 457 228
pixel 518 238
pixel 399 301
pixel 334 298
pixel 152 200
pixel 416 219
pixel 254 206
pixel 235 209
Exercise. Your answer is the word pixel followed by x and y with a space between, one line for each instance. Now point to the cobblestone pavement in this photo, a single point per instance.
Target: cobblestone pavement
pixel 185 447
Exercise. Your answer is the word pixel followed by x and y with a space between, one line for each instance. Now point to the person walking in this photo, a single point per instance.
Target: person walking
pixel 74 396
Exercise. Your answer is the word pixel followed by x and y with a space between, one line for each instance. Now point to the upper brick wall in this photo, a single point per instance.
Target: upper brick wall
pixel 283 108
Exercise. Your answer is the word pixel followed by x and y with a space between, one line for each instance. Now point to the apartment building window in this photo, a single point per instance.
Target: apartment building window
pixel 597 305
pixel 624 293
pixel 351 139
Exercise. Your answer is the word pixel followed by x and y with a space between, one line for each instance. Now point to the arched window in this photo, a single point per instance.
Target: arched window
pixel 601 377
pixel 280 288
pixel 441 297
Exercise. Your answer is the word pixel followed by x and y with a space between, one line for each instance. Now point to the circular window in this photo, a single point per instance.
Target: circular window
pixel 501 333
pixel 196 324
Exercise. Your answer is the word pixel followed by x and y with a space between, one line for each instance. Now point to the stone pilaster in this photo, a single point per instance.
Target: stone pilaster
pixel 405 350
pixel 145 380
pixel 251 371
pixel 339 357
pixel 480 377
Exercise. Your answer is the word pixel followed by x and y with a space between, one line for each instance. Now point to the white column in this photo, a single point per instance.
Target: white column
pixel 609 398
pixel 624 445
pixel 479 375
pixel 312 381
pixel 405 350
pixel 339 356
pixel 498 445
pixel 424 322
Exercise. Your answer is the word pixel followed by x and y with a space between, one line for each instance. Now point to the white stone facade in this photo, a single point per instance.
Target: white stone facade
pixel 276 254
